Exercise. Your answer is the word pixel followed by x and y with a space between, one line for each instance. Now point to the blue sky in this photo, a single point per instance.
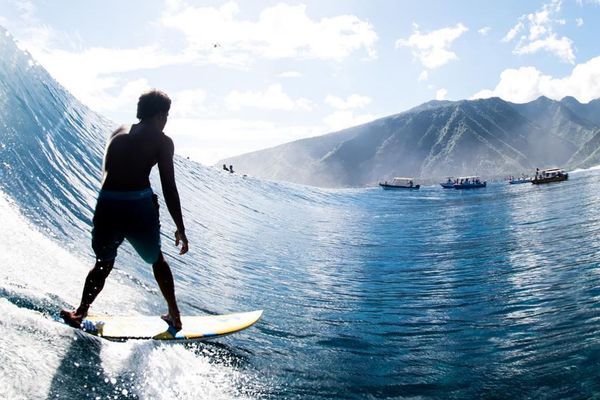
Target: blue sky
pixel 247 75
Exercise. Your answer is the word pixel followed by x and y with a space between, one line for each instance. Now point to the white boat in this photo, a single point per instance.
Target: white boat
pixel 517 181
pixel 549 175
pixel 399 183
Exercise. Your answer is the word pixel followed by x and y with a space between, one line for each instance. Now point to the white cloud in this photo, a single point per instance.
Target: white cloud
pixel 423 76
pixel 25 22
pixel 290 74
pixel 126 98
pixel 92 75
pixel 441 94
pixel 26 9
pixel 579 22
pixel 510 35
pixel 537 34
pixel 484 31
pixel 210 140
pixel 528 83
pixel 281 31
pixel 189 103
pixel 433 49
pixel 273 98
pixel 346 119
pixel 215 35
pixel 561 47
pixel 352 101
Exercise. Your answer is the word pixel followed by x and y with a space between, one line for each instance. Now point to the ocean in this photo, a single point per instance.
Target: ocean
pixel 367 294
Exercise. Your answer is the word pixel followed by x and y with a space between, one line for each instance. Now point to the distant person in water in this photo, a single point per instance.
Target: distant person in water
pixel 127 207
pixel 225 168
pixel 231 169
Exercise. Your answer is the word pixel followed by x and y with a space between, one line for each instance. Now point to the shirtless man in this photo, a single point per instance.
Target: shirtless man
pixel 127 208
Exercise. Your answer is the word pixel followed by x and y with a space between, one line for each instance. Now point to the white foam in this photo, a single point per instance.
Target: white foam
pixel 34 347
pixel 594 168
pixel 34 266
pixel 174 372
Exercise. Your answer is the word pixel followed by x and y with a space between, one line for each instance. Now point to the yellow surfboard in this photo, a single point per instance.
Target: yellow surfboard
pixel 153 327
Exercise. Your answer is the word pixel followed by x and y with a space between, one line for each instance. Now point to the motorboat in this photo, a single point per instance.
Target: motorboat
pixel 449 184
pixel 549 175
pixel 399 183
pixel 517 181
pixel 469 182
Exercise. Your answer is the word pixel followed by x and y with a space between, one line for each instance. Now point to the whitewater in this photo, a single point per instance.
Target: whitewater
pixel 366 294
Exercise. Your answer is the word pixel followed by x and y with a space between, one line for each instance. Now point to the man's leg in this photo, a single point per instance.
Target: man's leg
pixel 164 278
pixel 93 286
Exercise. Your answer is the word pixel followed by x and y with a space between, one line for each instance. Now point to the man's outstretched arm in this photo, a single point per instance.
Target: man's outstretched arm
pixel 167 180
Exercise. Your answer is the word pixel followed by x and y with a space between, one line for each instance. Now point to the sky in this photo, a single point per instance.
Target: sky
pixel 248 75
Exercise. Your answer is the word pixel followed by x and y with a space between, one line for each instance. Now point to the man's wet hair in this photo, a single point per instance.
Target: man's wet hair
pixel 152 103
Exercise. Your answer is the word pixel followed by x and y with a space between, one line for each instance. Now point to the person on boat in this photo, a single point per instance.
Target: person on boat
pixel 225 168
pixel 231 169
pixel 128 209
pixel 410 183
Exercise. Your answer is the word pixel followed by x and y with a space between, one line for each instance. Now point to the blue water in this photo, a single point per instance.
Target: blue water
pixel 490 293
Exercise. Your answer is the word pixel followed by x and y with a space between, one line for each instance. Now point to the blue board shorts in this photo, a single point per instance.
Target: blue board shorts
pixel 131 215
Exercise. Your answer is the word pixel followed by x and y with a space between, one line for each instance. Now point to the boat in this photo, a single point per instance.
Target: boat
pixel 449 184
pixel 399 183
pixel 469 182
pixel 549 175
pixel 517 181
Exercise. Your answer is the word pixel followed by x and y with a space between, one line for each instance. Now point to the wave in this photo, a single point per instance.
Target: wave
pixel 432 294
pixel 51 149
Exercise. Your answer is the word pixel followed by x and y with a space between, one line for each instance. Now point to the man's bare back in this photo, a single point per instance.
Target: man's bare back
pixel 130 155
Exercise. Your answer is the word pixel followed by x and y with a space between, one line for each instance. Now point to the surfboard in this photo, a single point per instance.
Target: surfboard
pixel 153 327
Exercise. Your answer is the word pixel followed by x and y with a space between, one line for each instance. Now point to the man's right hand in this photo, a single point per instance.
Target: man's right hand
pixel 180 237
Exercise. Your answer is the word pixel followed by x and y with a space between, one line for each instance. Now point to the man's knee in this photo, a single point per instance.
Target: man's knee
pixel 102 268
pixel 160 262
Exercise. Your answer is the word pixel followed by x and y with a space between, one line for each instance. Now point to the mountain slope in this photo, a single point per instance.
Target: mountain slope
pixel 566 118
pixel 485 137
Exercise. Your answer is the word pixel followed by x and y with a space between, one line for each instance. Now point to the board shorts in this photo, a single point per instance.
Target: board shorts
pixel 131 215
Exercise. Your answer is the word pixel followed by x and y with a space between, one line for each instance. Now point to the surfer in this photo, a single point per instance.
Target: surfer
pixel 128 209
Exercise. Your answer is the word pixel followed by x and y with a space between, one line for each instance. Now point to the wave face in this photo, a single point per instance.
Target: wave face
pixel 367 294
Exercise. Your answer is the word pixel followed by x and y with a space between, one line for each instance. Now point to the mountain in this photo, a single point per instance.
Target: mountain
pixel 562 118
pixel 486 137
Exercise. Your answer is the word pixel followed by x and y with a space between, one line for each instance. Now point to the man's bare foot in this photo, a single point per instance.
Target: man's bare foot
pixel 72 318
pixel 175 322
